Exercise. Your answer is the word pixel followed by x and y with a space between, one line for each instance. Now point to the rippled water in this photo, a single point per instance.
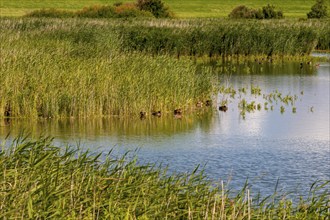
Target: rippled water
pixel 264 147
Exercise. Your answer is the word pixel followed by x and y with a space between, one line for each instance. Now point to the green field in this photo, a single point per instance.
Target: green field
pixel 181 8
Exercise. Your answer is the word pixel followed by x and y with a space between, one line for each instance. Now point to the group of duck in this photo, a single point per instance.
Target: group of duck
pixel 178 112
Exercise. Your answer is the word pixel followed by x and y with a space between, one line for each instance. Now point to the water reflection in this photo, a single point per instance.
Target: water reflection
pixel 67 129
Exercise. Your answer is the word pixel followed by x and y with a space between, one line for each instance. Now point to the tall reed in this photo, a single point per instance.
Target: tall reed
pixel 229 38
pixel 61 68
pixel 39 180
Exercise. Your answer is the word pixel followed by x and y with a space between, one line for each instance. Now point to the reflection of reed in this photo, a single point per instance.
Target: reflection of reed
pixel 113 126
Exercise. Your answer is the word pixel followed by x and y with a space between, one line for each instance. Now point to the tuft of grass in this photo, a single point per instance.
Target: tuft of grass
pixel 39 180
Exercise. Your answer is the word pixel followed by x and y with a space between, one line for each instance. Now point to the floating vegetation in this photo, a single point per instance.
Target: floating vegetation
pixel 250 103
pixel 294 110
pixel 255 90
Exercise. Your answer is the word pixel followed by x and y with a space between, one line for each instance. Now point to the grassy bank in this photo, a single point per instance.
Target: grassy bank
pixel 39 180
pixel 182 8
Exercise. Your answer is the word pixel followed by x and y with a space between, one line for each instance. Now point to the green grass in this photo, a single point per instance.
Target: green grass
pixel 182 8
pixel 73 68
pixel 39 180
pixel 223 37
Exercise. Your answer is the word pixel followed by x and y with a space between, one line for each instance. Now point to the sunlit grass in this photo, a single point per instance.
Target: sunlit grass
pixel 39 180
pixel 64 69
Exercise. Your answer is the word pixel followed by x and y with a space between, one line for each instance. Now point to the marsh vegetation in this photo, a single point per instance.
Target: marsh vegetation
pixel 83 65
pixel 39 180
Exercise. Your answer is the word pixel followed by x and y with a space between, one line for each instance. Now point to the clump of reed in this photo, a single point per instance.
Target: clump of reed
pixel 63 69
pixel 40 180
pixel 217 38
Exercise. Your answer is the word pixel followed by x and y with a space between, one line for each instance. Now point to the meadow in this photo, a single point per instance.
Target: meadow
pixel 40 180
pixel 182 8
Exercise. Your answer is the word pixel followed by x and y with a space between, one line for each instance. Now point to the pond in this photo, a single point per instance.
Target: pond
pixel 278 141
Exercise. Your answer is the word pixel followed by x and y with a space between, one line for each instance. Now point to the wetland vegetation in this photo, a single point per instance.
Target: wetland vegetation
pixel 81 66
pixel 73 67
pixel 40 180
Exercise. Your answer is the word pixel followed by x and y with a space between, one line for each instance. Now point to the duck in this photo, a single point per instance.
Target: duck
pixel 143 115
pixel 177 111
pixel 208 103
pixel 223 108
pixel 158 113
pixel 7 113
pixel 199 104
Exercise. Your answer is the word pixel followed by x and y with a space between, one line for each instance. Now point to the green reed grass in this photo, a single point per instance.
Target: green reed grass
pixel 216 37
pixel 55 68
pixel 39 180
pixel 98 67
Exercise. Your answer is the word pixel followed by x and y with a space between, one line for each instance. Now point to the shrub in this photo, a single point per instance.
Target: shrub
pixel 131 10
pixel 266 12
pixel 97 11
pixel 319 10
pixel 269 12
pixel 242 11
pixel 156 7
pixel 51 13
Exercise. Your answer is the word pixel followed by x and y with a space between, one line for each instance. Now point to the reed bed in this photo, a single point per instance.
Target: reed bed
pixel 101 67
pixel 225 38
pixel 39 180
pixel 74 69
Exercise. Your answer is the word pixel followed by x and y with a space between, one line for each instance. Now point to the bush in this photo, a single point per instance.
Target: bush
pixel 144 8
pixel 156 7
pixel 97 11
pixel 51 13
pixel 131 10
pixel 267 12
pixel 319 10
pixel 242 11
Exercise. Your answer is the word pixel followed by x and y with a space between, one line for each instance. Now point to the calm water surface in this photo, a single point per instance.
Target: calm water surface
pixel 266 146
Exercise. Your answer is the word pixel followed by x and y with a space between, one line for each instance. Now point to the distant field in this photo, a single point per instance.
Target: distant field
pixel 182 8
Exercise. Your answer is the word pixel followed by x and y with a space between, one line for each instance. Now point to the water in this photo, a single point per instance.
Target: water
pixel 264 147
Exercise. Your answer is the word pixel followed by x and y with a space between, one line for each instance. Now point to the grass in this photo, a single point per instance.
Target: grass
pixel 39 180
pixel 219 37
pixel 54 68
pixel 182 8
